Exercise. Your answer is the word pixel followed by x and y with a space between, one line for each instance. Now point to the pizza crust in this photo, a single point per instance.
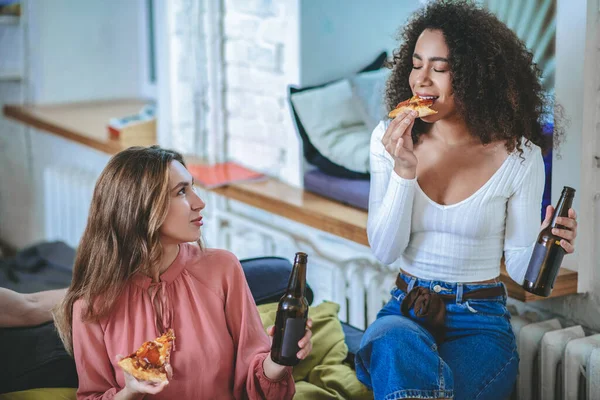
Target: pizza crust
pixel 151 375
pixel 423 111
pixel 414 103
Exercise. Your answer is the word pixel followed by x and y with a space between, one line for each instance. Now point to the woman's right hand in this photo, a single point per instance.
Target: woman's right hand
pixel 134 388
pixel 397 141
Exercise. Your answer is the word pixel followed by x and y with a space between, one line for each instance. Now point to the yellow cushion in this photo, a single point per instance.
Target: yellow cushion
pixel 42 394
pixel 323 374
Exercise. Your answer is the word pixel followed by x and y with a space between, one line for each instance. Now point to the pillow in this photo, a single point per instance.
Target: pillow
pixel 268 278
pixel 311 154
pixel 323 374
pixel 42 394
pixel 331 116
pixel 369 89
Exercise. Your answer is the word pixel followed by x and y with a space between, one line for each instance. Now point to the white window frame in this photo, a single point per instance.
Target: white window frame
pixel 148 89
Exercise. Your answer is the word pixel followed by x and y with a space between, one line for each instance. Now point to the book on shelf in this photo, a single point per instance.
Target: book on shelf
pixel 222 174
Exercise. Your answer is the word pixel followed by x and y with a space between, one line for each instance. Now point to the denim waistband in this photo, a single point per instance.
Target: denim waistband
pixel 452 288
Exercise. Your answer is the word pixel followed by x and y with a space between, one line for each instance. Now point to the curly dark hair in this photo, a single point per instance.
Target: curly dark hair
pixel 494 79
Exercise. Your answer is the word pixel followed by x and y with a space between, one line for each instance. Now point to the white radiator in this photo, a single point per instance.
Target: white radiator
pixel 67 197
pixel 557 363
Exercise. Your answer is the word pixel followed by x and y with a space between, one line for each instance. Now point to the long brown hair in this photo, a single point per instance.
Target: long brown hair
pixel 129 204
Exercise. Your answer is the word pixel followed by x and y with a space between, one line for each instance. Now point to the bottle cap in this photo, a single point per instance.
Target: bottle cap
pixel 568 189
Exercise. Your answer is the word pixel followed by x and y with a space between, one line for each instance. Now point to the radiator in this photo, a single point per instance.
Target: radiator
pixel 557 363
pixel 66 201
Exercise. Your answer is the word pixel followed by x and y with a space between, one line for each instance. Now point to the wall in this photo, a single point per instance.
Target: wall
pixel 261 41
pixel 65 50
pixel 339 37
pixel 271 44
pixel 578 84
pixel 84 50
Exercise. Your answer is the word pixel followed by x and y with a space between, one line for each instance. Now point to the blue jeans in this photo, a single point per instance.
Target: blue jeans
pixel 476 359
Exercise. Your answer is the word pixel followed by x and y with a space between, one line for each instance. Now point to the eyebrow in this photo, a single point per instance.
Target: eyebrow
pixel 181 185
pixel 418 57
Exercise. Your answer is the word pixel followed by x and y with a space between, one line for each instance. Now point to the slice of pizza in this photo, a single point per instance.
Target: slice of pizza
pixel 414 103
pixel 150 361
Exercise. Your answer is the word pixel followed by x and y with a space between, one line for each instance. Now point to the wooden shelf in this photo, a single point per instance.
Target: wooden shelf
pixel 566 283
pixel 85 123
pixel 301 206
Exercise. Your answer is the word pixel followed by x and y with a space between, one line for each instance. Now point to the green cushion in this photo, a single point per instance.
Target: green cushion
pixel 42 394
pixel 323 374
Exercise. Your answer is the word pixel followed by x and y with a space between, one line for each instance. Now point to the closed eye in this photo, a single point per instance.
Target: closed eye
pixel 435 70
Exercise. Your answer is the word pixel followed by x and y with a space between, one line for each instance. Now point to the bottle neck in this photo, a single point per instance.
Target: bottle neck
pixel 297 282
pixel 562 208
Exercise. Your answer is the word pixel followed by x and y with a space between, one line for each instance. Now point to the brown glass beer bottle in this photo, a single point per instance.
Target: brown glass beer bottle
pixel 292 313
pixel 548 253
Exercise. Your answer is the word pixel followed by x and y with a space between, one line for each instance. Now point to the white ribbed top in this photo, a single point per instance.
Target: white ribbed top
pixel 461 242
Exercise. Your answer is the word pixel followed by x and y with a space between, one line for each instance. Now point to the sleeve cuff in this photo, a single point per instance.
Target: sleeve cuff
pixel 394 177
pixel 260 372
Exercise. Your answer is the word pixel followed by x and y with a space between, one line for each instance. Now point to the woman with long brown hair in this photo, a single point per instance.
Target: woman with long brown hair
pixel 138 274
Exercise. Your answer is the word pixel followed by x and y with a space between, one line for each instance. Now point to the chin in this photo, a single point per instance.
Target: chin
pixel 194 238
pixel 430 118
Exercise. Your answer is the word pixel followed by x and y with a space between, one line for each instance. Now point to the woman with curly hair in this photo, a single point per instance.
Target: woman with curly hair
pixel 451 194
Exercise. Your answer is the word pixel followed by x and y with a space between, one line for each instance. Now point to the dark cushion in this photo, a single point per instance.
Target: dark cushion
pixel 41 266
pixel 353 338
pixel 311 154
pixel 354 192
pixel 35 358
pixel 268 278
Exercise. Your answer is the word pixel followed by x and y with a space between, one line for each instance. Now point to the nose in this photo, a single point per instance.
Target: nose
pixel 422 78
pixel 197 203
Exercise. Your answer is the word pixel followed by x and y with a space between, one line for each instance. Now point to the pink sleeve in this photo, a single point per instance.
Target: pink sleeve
pixel 252 344
pixel 96 374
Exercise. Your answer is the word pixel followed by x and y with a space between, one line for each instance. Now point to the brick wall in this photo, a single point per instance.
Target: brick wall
pixel 258 126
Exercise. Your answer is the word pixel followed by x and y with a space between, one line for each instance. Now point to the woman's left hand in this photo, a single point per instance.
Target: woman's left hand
pixel 275 371
pixel 567 235
pixel 305 344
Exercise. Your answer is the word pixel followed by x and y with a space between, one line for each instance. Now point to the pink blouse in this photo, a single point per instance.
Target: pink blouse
pixel 220 343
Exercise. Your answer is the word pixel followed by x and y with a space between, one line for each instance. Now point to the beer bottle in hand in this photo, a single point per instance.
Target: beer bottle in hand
pixel 548 253
pixel 292 313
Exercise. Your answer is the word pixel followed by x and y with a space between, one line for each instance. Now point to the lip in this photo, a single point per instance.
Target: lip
pixel 421 95
pixel 426 95
pixel 197 221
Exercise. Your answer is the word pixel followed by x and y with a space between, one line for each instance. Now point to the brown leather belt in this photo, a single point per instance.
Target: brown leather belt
pixel 430 305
